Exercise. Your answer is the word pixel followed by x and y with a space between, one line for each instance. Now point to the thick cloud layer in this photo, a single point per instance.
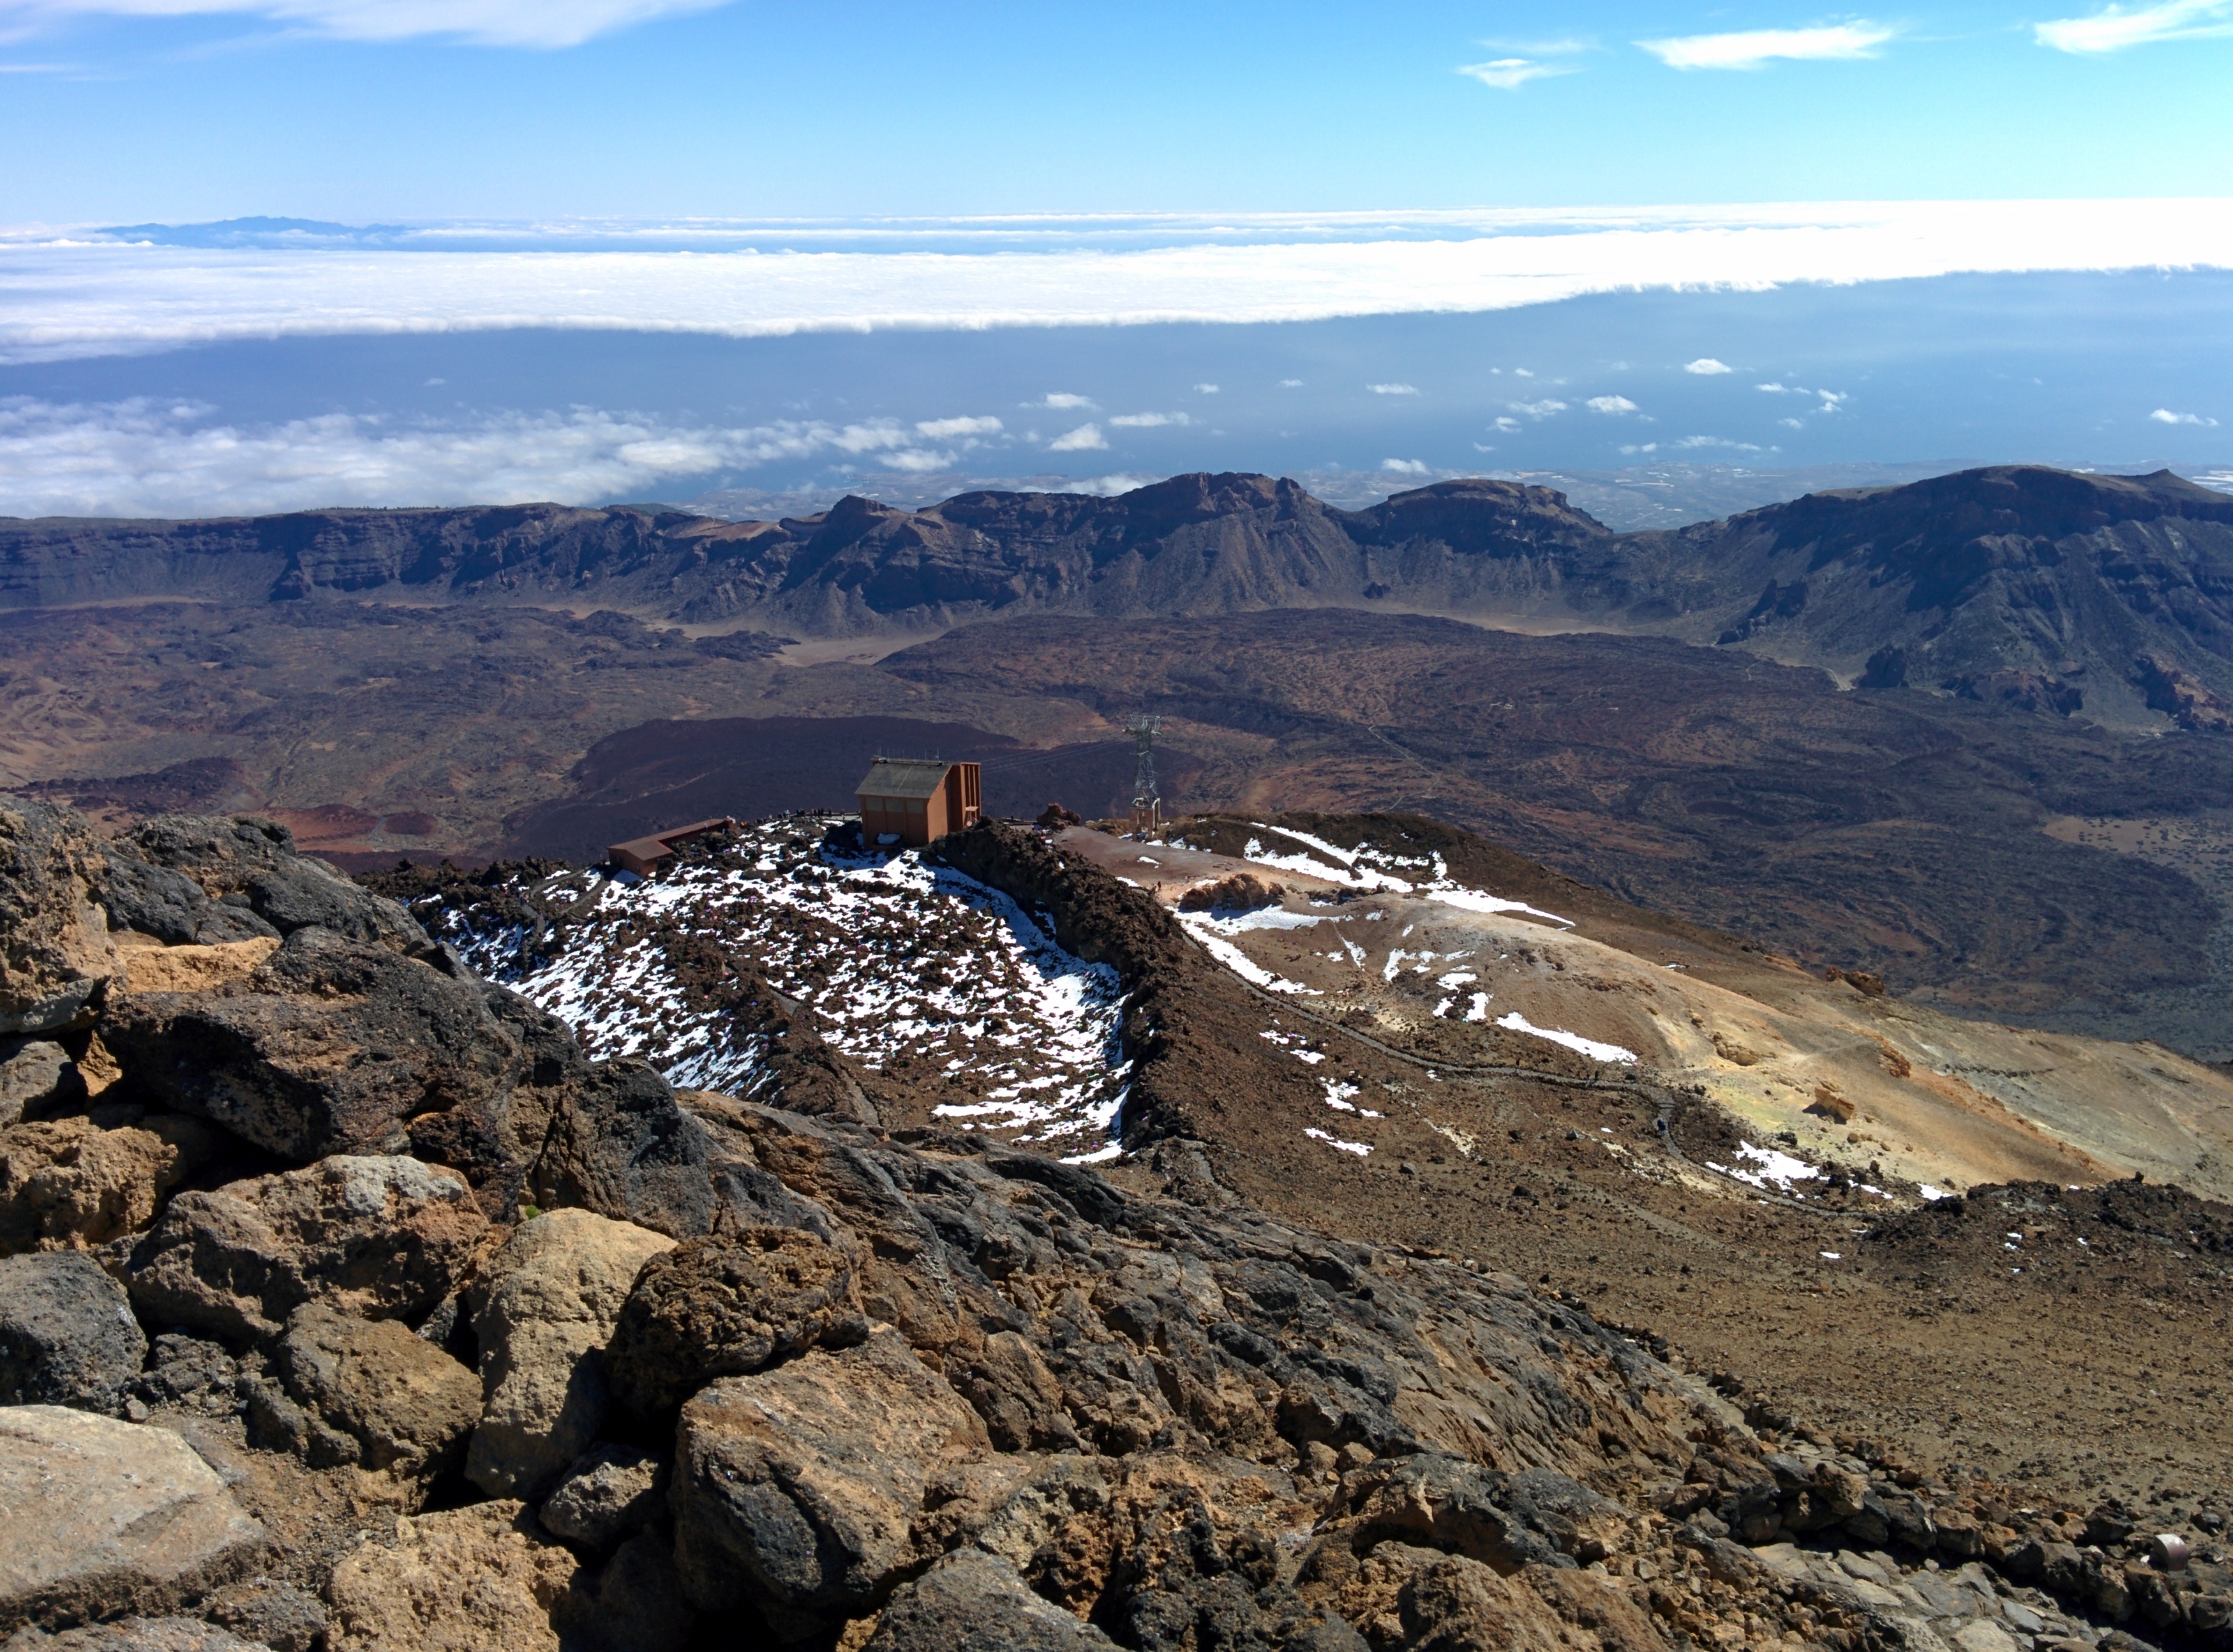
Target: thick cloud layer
pixel 61 298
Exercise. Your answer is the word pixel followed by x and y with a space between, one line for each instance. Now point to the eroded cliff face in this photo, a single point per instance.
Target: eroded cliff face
pixel 443 1334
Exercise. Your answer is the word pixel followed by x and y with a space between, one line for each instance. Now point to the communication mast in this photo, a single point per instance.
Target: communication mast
pixel 1147 806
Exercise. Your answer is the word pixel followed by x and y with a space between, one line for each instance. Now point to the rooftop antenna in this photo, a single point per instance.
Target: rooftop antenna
pixel 1147 807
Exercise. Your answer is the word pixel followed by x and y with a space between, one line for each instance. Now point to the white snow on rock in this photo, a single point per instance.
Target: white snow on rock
pixel 1368 867
pixel 1204 929
pixel 897 962
pixel 1516 1022
pixel 1360 1148
pixel 1765 1167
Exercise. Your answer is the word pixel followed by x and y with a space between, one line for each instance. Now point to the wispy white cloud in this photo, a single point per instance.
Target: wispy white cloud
pixel 1706 366
pixel 1085 439
pixel 1291 384
pixel 2114 28
pixel 1537 410
pixel 1641 447
pixel 2165 416
pixel 1205 390
pixel 1610 405
pixel 146 457
pixel 1751 48
pixel 548 24
pixel 1510 74
pixel 1063 402
pixel 1106 487
pixel 1149 420
pixel 943 430
pixel 1723 441
pixel 1404 466
pixel 1393 389
pixel 1506 426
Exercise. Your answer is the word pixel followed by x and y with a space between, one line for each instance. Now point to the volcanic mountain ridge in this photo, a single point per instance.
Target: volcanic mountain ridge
pixel 2041 587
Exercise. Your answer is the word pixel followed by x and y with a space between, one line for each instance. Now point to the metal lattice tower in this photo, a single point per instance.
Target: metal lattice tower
pixel 1143 730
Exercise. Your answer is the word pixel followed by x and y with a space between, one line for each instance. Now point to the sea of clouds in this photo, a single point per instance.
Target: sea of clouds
pixel 65 294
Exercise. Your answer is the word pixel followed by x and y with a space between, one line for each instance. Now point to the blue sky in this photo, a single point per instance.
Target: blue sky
pixel 847 108
pixel 626 249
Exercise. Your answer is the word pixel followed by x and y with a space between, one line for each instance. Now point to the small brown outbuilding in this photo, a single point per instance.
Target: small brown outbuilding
pixel 914 800
pixel 639 855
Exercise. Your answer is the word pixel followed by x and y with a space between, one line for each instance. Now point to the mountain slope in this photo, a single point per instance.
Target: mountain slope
pixel 2052 591
pixel 2019 583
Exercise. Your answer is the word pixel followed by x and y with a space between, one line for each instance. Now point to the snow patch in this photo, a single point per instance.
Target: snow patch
pixel 1516 1022
pixel 1360 1148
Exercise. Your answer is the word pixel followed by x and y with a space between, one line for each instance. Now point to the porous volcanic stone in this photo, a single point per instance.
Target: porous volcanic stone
pixel 275 1615
pixel 33 1072
pixel 544 1308
pixel 245 863
pixel 99 1517
pixel 796 1489
pixel 970 1599
pixel 139 1635
pixel 727 1306
pixel 66 1183
pixel 465 1580
pixel 328 1046
pixel 377 1237
pixel 398 1401
pixel 608 1494
pixel 54 950
pixel 67 1333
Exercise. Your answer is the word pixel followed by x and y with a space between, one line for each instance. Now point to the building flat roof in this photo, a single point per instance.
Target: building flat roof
pixel 663 843
pixel 902 777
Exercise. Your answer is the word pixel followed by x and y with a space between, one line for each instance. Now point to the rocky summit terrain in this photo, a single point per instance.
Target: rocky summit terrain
pixel 350 1297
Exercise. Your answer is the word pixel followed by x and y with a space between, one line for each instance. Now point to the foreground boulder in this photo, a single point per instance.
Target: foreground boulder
pixel 971 1599
pixel 728 1306
pixel 798 1490
pixel 215 877
pixel 330 1045
pixel 379 1237
pixel 544 1308
pixel 465 1580
pixel 67 1182
pixel 55 957
pixel 67 1334
pixel 371 1393
pixel 99 1518
pixel 34 1073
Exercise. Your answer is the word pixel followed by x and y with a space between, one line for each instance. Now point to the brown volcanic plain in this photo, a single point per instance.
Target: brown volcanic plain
pixel 534 679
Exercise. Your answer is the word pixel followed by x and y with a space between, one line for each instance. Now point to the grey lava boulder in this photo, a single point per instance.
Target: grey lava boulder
pixel 67 1333
pixel 99 1518
pixel 34 1072
pixel 797 1489
pixel 727 1306
pixel 971 1599
pixel 610 1492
